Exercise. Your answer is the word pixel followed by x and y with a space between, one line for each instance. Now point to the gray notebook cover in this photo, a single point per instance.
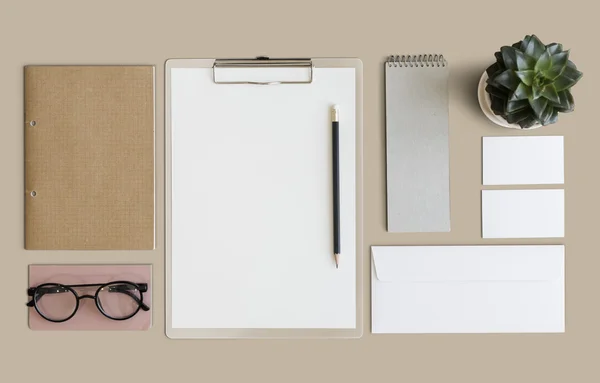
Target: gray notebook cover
pixel 418 171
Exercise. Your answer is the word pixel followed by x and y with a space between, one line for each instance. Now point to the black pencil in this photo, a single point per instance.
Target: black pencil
pixel 335 128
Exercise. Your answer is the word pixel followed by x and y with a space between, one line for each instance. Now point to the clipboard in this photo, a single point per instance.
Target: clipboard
pixel 249 201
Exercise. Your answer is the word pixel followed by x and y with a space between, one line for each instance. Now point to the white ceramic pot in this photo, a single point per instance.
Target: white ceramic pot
pixel 485 104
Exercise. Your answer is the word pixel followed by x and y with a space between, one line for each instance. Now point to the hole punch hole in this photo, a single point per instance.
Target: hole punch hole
pixel 33 123
pixel 33 193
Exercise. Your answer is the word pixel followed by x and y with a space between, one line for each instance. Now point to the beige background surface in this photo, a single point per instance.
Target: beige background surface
pixel 466 32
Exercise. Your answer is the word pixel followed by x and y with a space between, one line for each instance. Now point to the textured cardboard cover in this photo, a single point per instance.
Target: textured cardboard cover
pixel 89 157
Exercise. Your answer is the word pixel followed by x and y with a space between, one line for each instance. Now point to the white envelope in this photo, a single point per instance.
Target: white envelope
pixel 467 289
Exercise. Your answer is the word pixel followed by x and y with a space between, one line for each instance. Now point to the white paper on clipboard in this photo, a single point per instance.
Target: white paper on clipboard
pixel 251 205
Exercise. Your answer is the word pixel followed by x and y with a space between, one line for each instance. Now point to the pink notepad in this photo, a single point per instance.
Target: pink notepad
pixel 88 317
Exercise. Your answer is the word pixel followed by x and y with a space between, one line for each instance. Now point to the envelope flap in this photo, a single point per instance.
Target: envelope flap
pixel 468 263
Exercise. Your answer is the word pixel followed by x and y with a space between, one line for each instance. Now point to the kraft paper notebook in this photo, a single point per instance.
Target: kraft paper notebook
pixel 249 235
pixel 418 171
pixel 89 157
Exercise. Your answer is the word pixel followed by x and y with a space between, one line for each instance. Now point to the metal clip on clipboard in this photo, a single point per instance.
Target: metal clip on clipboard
pixel 263 62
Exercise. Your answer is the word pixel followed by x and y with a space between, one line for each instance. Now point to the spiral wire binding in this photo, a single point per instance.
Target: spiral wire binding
pixel 406 61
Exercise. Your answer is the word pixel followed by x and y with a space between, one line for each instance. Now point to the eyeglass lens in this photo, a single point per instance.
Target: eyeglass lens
pixel 119 300
pixel 55 302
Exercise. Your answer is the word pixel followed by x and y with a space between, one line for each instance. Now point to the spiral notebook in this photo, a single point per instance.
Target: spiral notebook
pixel 418 172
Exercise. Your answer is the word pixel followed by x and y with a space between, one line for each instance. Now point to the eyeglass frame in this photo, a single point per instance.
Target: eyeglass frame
pixel 141 287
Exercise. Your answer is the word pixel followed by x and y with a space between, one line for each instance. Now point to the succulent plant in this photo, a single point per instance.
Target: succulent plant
pixel 530 82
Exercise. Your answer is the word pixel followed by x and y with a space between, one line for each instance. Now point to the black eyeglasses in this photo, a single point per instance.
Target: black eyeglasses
pixel 119 300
